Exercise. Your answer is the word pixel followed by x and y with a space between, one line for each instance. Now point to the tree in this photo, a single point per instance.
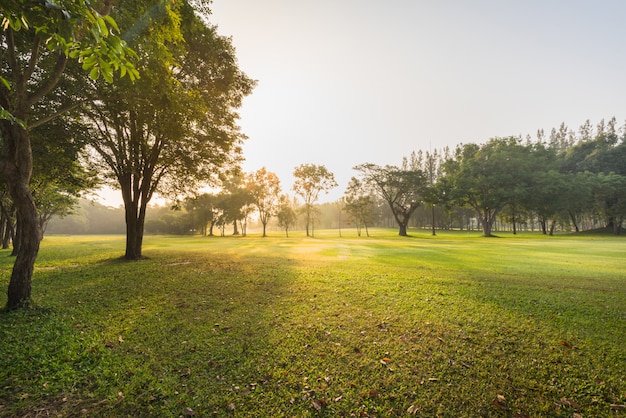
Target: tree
pixel 402 189
pixel 38 39
pixel 285 215
pixel 311 180
pixel 175 129
pixel 488 177
pixel 264 187
pixel 202 209
pixel 359 205
pixel 610 193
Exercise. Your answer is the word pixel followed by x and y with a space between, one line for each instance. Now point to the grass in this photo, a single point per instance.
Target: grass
pixel 452 325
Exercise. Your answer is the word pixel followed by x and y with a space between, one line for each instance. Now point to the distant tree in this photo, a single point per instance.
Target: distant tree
pixel 340 205
pixel 236 202
pixel 285 215
pixel 7 218
pixel 401 187
pixel 311 180
pixel 264 187
pixel 359 205
pixel 60 179
pixel 202 209
pixel 488 177
pixel 610 194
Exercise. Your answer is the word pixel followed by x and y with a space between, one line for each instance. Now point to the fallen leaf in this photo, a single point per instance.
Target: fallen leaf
pixel 318 404
pixel 566 344
pixel 567 402
pixel 500 401
pixel 373 393
pixel 617 407
pixel 189 412
pixel 120 339
pixel 412 410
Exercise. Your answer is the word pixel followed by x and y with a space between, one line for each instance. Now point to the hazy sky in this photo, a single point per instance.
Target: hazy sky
pixel 343 82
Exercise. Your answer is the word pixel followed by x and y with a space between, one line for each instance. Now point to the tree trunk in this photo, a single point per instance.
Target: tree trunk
pixel 487 217
pixel 552 227
pixel 17 164
pixel 573 218
pixel 402 229
pixel 134 233
pixel 135 214
pixel 617 225
pixel 264 226
pixel 433 213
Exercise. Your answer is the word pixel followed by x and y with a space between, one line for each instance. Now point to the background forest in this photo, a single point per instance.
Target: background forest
pixel 567 180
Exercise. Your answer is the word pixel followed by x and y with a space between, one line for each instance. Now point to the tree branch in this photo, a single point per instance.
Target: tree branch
pixel 50 83
pixel 48 118
pixel 32 62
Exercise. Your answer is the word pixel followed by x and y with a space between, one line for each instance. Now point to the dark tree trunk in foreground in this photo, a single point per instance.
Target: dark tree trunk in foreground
pixel 17 164
pixel 134 234
pixel 135 204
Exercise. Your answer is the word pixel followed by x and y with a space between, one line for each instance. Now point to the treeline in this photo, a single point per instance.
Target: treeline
pixel 565 180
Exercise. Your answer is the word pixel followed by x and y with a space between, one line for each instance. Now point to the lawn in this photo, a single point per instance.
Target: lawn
pixel 453 325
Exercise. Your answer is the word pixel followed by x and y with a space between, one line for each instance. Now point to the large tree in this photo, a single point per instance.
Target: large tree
pixel 311 180
pixel 38 40
pixel 489 177
pixel 401 187
pixel 175 128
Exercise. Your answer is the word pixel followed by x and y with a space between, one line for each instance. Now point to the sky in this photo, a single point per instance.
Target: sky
pixel 345 82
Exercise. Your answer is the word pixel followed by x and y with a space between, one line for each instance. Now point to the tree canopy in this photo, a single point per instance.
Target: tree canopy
pixel 176 127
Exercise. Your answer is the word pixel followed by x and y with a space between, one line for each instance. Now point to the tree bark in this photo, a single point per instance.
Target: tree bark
pixel 135 210
pixel 17 164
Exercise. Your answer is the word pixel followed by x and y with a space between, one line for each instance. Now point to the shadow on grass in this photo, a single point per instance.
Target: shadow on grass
pixel 163 336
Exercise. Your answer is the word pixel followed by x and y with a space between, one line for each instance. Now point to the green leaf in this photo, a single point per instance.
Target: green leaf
pixel 112 23
pixel 102 26
pixel 5 82
pixel 94 74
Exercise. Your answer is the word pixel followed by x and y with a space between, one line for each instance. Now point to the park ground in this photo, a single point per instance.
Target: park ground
pixel 452 325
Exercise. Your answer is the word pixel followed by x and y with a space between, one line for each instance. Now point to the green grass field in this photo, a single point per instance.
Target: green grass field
pixel 454 325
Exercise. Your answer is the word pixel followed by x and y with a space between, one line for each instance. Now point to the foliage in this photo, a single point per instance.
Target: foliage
pixel 286 215
pixel 175 128
pixel 311 180
pixel 264 187
pixel 359 205
pixel 38 39
pixel 401 187
pixel 336 327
